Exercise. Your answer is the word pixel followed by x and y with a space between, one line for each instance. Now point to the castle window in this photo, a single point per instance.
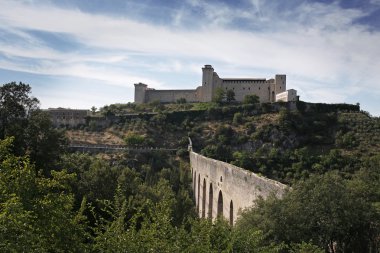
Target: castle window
pixel 249 88
pixel 259 88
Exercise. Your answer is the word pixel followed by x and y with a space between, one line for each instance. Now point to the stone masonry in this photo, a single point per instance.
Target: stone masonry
pixel 67 117
pixel 224 189
pixel 268 90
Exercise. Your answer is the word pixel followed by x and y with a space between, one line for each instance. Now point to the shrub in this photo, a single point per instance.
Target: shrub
pixel 251 99
pixel 133 139
pixel 181 101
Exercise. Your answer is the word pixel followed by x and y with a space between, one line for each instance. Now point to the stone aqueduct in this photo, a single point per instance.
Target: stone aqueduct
pixel 224 189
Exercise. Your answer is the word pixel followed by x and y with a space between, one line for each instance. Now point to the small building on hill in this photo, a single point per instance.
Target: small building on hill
pixel 268 90
pixel 68 117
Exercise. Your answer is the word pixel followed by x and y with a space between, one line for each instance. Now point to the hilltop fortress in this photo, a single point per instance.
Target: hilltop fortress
pixel 268 90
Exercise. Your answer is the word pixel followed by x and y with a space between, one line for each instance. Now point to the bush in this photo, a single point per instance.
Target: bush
pixel 182 152
pixel 181 101
pixel 251 99
pixel 238 118
pixel 133 139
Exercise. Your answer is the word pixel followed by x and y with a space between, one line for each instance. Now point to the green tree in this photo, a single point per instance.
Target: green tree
pixel 323 210
pixel 149 229
pixel 134 139
pixel 181 101
pixel 36 213
pixel 224 134
pixel 253 240
pixel 16 106
pixel 251 99
pixel 98 182
pixel 238 118
pixel 243 160
pixel 93 110
pixel 230 96
pixel 44 143
pixel 31 128
pixel 219 95
pixel 304 247
pixel 220 152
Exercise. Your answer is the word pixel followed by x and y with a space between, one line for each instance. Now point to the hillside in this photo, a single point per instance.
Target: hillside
pixel 279 141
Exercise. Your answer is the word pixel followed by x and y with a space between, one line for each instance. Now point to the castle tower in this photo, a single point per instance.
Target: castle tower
pixel 140 89
pixel 280 83
pixel 207 83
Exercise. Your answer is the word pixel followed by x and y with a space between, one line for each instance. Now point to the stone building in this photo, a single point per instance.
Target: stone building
pixel 67 117
pixel 268 90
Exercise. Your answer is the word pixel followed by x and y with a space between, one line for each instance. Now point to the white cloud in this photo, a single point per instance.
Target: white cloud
pixel 107 75
pixel 375 2
pixel 316 41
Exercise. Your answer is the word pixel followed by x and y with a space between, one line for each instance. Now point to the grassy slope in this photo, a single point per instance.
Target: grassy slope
pixel 275 143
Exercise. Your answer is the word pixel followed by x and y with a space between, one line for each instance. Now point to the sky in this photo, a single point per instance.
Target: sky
pixel 84 53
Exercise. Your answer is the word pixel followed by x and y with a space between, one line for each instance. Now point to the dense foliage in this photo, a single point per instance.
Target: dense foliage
pixel 328 210
pixel 54 201
pixel 31 128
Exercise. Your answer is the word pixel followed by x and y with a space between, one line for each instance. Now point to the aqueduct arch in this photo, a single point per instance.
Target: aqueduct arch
pixel 204 199
pixel 194 176
pixel 231 213
pixel 220 204
pixel 199 183
pixel 210 201
pixel 224 189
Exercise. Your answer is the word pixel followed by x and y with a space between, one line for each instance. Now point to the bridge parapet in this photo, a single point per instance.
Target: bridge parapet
pixel 115 148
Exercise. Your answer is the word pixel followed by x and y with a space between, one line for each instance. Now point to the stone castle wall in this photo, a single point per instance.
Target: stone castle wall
pixel 265 89
pixel 224 189
pixel 170 96
pixel 261 88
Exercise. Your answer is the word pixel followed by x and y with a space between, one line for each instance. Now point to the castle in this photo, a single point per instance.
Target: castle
pixel 268 90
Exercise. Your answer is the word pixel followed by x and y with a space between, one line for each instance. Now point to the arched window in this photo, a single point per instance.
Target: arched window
pixel 231 213
pixel 210 201
pixel 204 199
pixel 273 98
pixel 220 204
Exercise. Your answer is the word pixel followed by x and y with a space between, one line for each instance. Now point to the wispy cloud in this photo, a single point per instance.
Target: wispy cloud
pixel 375 2
pixel 309 41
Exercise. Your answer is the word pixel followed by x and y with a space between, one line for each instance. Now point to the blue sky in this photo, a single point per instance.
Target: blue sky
pixel 80 53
